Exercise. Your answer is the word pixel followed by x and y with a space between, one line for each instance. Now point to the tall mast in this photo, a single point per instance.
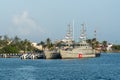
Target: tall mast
pixel 73 30
pixel 69 33
pixel 83 34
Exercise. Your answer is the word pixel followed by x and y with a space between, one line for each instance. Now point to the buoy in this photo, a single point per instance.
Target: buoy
pixel 80 55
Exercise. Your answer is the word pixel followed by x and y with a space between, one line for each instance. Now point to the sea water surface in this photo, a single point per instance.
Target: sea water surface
pixel 106 67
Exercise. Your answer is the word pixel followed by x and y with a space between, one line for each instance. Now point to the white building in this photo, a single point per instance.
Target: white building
pixel 37 46
pixel 109 47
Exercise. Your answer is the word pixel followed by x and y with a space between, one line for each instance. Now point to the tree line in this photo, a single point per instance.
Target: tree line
pixel 17 45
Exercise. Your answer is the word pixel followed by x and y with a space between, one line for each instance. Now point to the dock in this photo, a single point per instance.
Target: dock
pixel 10 55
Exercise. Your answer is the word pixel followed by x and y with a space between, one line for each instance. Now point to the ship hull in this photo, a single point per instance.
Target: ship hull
pixel 69 55
pixel 52 55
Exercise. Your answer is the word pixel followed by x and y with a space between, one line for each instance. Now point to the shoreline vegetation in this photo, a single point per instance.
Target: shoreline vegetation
pixel 17 45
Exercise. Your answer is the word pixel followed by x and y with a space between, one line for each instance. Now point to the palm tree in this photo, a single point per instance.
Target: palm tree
pixel 16 39
pixel 97 44
pixel 6 37
pixel 49 44
pixel 93 42
pixel 6 40
pixel 0 37
pixel 48 41
pixel 89 41
pixel 25 45
pixel 43 44
pixel 104 45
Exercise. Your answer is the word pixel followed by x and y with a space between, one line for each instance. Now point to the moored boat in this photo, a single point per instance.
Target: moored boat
pixel 81 50
pixel 32 56
pixel 54 54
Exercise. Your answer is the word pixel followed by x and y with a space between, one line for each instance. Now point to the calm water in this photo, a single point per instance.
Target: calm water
pixel 106 67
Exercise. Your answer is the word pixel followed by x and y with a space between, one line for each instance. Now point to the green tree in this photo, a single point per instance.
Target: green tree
pixel 104 46
pixel 43 44
pixel 10 49
pixel 49 44
pixel 116 47
pixel 89 41
pixel 16 40
pixel 26 45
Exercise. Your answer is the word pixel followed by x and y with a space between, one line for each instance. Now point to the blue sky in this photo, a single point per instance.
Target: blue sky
pixel 37 20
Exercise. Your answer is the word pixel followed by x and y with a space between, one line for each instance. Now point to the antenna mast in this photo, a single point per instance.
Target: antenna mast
pixel 95 34
pixel 73 30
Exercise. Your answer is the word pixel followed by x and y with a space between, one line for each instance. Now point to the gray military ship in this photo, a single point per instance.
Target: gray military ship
pixel 81 50
pixel 54 54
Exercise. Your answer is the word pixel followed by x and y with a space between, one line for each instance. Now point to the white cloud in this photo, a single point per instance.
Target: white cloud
pixel 23 18
pixel 26 26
